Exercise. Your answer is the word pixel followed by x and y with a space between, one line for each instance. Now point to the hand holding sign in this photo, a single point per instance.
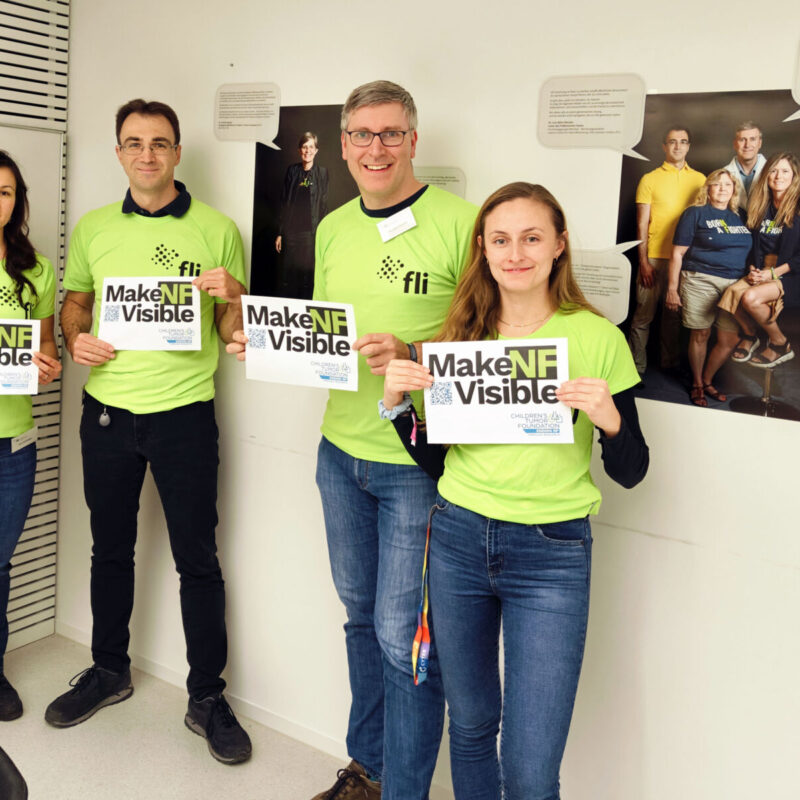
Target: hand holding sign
pixel 591 395
pixel 219 283
pixel 91 351
pixel 404 375
pixel 379 349
pixel 238 345
pixel 49 367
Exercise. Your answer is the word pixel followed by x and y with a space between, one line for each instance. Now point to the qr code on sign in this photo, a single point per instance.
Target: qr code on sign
pixel 257 339
pixel 441 393
pixel 111 313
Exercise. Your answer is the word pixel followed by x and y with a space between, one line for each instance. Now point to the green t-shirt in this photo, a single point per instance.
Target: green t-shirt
pixel 108 243
pixel 16 415
pixel 403 287
pixel 539 483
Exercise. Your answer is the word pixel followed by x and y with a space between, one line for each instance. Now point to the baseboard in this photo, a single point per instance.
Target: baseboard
pixel 275 722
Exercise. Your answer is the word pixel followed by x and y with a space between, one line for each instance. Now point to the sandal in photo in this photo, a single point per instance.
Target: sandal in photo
pixel 783 352
pixel 697 397
pixel 744 352
pixel 714 393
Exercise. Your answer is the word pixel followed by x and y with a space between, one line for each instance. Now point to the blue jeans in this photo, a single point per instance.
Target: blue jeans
pixel 17 474
pixel 534 579
pixel 180 445
pixel 376 517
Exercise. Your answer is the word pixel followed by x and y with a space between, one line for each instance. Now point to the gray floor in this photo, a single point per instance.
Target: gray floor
pixel 140 748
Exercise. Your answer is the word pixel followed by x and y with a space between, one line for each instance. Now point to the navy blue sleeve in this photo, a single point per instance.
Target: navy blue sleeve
pixel 626 456
pixel 789 246
pixel 686 227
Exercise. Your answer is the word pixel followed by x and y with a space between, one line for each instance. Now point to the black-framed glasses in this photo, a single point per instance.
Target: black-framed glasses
pixel 156 148
pixel 388 138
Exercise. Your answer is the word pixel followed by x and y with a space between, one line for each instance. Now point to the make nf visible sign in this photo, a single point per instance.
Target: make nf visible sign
pixel 150 314
pixel 19 340
pixel 301 342
pixel 497 392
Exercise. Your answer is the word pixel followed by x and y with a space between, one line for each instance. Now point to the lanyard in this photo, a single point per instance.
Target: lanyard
pixel 421 648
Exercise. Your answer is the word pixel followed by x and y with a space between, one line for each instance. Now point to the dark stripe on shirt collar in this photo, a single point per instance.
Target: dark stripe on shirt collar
pixel 387 212
pixel 177 208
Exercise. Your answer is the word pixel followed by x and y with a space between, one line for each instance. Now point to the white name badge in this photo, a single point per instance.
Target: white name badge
pixel 398 223
pixel 23 440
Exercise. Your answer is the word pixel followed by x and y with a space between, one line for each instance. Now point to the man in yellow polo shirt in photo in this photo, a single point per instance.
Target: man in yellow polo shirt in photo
pixel 661 197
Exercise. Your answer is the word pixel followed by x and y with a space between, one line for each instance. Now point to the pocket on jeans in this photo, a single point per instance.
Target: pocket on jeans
pixel 441 504
pixel 570 532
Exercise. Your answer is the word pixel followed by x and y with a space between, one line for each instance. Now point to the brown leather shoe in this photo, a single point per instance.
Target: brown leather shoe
pixel 352 784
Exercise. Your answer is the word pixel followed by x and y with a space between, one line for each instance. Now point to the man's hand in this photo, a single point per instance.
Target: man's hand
pixel 219 283
pixel 278 243
pixel 647 275
pixel 90 351
pixel 379 349
pixel 236 345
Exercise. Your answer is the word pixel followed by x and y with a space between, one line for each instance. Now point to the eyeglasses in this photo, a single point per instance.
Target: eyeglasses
pixel 388 138
pixel 156 148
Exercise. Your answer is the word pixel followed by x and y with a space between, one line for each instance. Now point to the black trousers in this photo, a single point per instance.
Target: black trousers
pixel 180 445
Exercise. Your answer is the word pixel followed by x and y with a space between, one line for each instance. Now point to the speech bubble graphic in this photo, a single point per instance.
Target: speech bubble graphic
pixel 605 111
pixel 247 112
pixel 795 89
pixel 451 179
pixel 604 277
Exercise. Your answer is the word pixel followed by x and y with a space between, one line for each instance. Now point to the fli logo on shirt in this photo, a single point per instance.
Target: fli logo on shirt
pixel 413 281
pixel 170 259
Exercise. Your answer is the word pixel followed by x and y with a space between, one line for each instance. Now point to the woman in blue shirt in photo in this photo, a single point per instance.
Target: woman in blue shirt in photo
pixel 709 254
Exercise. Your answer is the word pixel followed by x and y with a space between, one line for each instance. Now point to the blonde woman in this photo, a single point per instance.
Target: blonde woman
pixel 774 262
pixel 709 253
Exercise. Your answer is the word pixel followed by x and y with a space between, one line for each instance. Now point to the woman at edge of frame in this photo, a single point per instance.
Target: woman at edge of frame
pixel 27 291
pixel 510 535
pixel 757 299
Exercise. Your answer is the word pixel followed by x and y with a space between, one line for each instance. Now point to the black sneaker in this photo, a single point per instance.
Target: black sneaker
pixel 10 704
pixel 213 719
pixel 12 784
pixel 93 689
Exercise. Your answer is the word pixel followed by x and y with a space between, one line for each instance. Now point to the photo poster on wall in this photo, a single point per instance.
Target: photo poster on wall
pixel 289 201
pixel 711 118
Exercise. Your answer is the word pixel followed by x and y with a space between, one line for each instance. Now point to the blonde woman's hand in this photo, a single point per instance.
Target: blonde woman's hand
pixel 404 375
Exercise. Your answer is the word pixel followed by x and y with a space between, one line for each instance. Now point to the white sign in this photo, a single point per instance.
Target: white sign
pixel 500 392
pixel 451 179
pixel 150 314
pixel 19 340
pixel 592 111
pixel 248 112
pixel 604 277
pixel 300 342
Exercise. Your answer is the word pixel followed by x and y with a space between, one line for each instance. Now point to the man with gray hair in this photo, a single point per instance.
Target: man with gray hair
pixel 747 162
pixel 396 253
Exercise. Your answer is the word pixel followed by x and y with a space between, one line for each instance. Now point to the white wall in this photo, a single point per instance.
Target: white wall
pixel 689 687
